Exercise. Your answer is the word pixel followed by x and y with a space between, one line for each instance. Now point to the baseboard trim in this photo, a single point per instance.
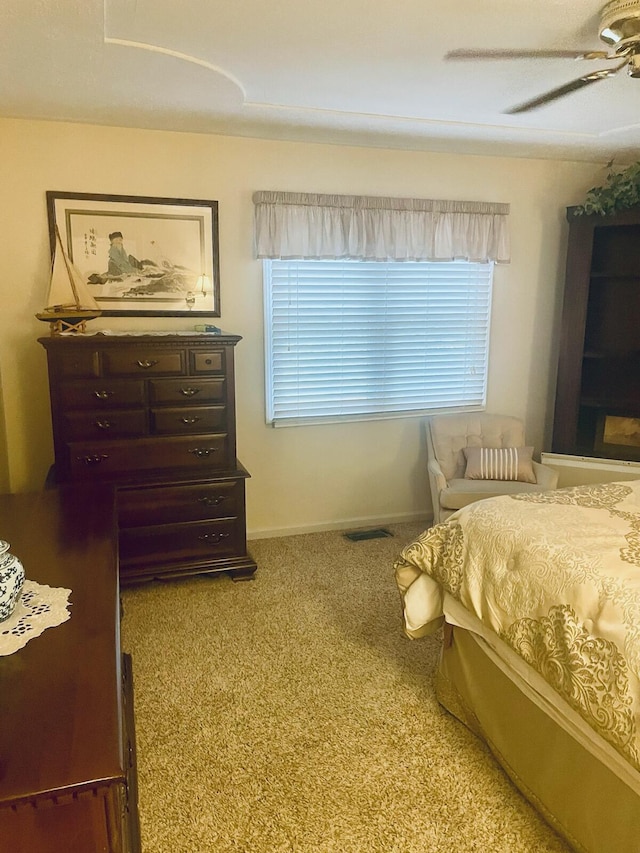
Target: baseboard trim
pixel 346 524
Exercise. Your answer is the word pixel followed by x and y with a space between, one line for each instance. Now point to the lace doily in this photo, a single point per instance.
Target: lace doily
pixel 38 608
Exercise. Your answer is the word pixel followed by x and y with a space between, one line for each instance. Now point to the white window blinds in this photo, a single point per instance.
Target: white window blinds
pixel 349 339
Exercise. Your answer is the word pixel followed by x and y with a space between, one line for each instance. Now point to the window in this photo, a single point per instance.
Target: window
pixel 398 325
pixel 348 340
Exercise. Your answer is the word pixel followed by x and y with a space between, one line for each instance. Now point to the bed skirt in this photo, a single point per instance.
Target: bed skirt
pixel 586 802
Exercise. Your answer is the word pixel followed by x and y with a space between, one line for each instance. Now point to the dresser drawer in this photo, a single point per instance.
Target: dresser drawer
pixel 99 394
pixel 165 504
pixel 203 540
pixel 207 362
pixel 190 420
pixel 105 425
pixel 101 460
pixel 137 362
pixel 187 390
pixel 81 363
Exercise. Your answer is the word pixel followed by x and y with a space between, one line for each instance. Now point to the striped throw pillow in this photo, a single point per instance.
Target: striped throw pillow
pixel 506 463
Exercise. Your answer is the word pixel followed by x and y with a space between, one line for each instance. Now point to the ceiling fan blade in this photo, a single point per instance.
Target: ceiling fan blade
pixel 573 86
pixel 470 54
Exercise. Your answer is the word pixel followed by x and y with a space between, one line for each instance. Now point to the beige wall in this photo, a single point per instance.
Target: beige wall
pixel 303 477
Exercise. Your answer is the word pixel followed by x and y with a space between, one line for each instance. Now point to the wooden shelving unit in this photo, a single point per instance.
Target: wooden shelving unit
pixel 598 388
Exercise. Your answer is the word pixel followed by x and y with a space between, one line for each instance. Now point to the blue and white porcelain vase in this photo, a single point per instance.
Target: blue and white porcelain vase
pixel 11 580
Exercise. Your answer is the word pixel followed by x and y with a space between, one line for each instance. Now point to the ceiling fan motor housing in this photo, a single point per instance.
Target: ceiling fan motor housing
pixel 620 24
pixel 633 68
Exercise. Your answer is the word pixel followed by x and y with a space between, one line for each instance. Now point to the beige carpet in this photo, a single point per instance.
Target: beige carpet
pixel 290 713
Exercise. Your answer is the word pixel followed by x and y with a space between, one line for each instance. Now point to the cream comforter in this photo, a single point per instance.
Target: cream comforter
pixel 556 575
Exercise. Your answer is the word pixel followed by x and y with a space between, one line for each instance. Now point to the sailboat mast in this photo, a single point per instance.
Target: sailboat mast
pixel 66 263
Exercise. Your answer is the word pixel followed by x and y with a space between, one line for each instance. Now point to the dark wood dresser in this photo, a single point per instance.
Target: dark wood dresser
pixel 154 414
pixel 67 745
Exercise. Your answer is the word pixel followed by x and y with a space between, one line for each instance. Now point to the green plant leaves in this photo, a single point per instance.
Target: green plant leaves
pixel 620 191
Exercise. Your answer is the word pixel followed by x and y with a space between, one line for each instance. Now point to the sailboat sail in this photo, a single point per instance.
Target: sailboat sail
pixel 67 289
pixel 69 303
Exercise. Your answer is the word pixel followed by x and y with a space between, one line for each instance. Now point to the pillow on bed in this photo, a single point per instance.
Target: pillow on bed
pixel 491 463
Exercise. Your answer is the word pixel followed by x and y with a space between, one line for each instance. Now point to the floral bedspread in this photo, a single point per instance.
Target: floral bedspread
pixel 556 575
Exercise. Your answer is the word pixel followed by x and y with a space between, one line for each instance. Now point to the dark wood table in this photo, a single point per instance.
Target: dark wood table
pixel 67 746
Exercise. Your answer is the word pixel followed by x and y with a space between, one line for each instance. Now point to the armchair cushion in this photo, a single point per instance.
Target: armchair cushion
pixel 459 493
pixel 499 463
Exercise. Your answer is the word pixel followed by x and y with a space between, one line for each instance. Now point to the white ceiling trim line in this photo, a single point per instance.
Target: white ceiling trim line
pixel 432 122
pixel 155 48
pixel 613 130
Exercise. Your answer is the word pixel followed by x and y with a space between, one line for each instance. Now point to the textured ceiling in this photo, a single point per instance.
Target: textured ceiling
pixel 351 71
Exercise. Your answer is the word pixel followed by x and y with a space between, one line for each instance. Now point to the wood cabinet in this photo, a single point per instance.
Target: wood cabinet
pixel 598 387
pixel 67 741
pixel 154 414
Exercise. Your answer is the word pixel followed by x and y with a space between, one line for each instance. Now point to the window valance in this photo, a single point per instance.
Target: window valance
pixel 372 228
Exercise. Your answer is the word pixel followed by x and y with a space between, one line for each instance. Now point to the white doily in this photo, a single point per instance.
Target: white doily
pixel 38 608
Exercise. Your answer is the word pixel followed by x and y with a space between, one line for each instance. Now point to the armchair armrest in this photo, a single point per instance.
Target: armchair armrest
pixel 437 484
pixel 436 476
pixel 547 478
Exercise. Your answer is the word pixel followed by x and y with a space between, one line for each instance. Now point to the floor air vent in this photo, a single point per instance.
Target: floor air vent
pixel 360 535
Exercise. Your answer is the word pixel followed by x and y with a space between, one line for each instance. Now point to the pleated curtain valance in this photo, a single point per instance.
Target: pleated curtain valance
pixel 372 228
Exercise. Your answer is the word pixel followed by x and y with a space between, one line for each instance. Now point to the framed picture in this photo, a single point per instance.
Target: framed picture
pixel 141 256
pixel 618 436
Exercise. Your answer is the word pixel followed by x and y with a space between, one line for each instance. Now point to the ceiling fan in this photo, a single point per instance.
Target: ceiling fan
pixel 619 27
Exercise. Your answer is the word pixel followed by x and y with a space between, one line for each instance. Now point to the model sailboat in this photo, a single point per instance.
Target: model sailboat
pixel 69 303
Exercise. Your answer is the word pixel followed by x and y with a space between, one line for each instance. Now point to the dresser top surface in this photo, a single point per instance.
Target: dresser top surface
pixel 146 338
pixel 60 712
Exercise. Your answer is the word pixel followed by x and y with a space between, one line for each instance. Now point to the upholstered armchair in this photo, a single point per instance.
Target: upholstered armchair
pixel 460 472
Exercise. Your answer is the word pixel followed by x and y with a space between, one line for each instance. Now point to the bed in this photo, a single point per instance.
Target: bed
pixel 539 598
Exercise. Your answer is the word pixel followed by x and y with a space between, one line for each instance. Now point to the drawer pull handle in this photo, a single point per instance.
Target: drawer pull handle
pixel 103 395
pixel 189 392
pixel 146 363
pixel 102 424
pixel 214 537
pixel 212 501
pixel 92 459
pixel 189 420
pixel 202 452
